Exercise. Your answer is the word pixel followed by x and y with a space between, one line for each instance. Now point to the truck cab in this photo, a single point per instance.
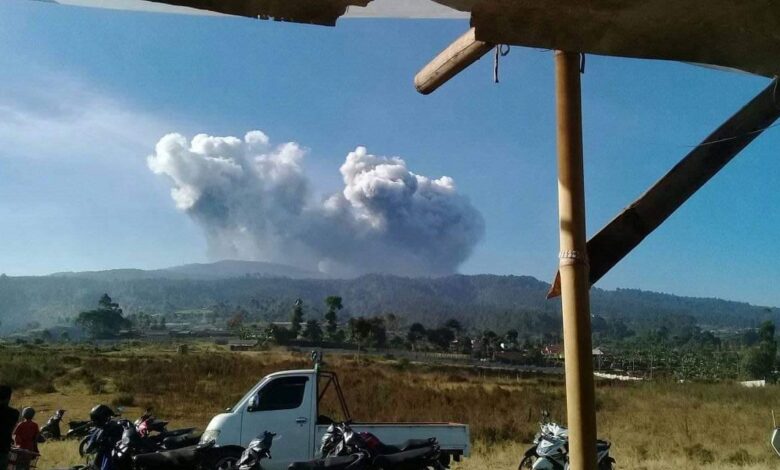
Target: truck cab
pixel 288 403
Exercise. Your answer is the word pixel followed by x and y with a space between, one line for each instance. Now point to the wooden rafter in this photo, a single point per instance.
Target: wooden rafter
pixel 616 240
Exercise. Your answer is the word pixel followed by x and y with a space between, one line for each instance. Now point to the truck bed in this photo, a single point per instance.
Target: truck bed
pixel 453 437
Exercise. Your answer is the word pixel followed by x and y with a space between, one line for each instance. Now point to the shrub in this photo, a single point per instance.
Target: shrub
pixel 123 399
pixel 699 453
pixel 740 457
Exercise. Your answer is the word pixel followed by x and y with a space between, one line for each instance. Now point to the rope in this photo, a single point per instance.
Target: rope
pixel 736 137
pixel 502 50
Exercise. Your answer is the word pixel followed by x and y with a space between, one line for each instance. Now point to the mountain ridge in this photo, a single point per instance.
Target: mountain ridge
pixel 478 301
pixel 223 269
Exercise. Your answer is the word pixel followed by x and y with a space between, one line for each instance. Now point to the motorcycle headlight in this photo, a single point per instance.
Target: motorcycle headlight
pixel 544 448
pixel 209 435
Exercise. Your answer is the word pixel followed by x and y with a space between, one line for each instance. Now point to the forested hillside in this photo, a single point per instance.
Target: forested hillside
pixel 481 302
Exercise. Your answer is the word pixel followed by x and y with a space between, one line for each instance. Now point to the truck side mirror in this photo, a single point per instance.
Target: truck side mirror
pixel 254 403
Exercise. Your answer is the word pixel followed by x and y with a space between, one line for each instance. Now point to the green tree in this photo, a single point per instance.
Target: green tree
pixel 454 325
pixel 441 338
pixel 104 322
pixel 760 359
pixel 360 332
pixel 416 334
pixel 277 334
pixel 331 319
pixel 313 331
pixel 378 332
pixel 297 318
pixel 236 321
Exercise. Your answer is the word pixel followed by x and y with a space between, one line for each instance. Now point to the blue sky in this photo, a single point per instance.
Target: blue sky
pixel 87 93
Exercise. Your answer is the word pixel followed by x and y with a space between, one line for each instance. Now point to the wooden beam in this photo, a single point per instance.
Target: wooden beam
pixel 321 12
pixel 736 34
pixel 454 59
pixel 616 240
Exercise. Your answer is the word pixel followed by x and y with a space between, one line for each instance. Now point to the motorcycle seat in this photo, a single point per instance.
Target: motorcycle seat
pixel 170 459
pixel 176 442
pixel 330 462
pixel 423 453
pixel 412 444
pixel 177 432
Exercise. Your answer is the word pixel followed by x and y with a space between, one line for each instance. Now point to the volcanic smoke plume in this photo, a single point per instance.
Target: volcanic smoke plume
pixel 254 202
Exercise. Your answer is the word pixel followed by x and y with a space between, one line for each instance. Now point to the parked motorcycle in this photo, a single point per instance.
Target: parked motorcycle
pixel 774 439
pixel 258 450
pixel 343 448
pixel 51 430
pixel 84 429
pixel 197 457
pixel 78 429
pixel 113 443
pixel 98 446
pixel 156 431
pixel 551 448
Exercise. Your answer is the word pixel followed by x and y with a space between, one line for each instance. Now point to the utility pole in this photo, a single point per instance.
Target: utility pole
pixel 575 285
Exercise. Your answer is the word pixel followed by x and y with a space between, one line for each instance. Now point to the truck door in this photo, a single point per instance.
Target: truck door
pixel 282 406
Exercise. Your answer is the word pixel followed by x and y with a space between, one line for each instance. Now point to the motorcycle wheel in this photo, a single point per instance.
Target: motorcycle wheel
pixel 528 462
pixel 225 461
pixel 607 464
pixel 82 447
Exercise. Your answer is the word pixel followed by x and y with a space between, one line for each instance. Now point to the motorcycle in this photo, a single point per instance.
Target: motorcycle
pixel 343 448
pixel 156 431
pixel 259 448
pixel 85 429
pixel 51 430
pixel 78 429
pixel 115 445
pixel 98 446
pixel 551 448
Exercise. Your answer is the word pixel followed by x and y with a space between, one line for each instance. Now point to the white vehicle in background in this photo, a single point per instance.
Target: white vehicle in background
pixel 288 404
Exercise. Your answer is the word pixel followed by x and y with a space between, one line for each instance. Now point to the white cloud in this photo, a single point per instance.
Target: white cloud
pixel 50 115
pixel 254 202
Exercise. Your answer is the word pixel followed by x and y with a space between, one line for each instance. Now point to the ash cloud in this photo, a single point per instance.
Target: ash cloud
pixel 254 201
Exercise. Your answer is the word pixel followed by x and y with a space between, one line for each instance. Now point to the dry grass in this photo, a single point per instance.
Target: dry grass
pixel 652 426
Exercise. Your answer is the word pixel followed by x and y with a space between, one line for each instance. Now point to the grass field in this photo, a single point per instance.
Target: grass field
pixel 652 426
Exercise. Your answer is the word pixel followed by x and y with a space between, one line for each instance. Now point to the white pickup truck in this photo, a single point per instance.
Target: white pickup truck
pixel 288 404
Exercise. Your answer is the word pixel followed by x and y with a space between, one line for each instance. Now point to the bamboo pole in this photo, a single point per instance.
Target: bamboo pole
pixel 463 52
pixel 575 296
